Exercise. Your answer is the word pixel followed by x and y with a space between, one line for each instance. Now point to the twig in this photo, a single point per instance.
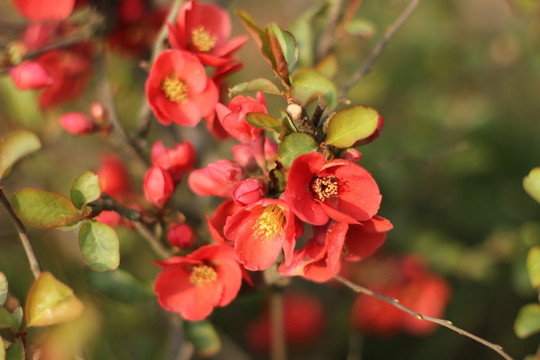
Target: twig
pixel 152 240
pixel 407 12
pixel 362 290
pixel 23 235
pixel 328 36
pixel 278 334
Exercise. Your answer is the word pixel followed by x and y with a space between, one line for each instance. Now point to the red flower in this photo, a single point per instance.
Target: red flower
pixel 29 75
pixel 340 189
pixel 44 10
pixel 178 89
pixel 260 231
pixel 249 191
pixel 233 117
pixel 77 124
pixel 217 179
pixel 204 30
pixel 158 186
pixel 193 285
pixel 177 161
pixel 114 178
pixel 182 236
pixel 217 221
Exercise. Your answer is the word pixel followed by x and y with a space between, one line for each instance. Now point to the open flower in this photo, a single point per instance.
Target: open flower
pixel 177 161
pixel 178 89
pixel 217 179
pixel 233 117
pixel 340 189
pixel 193 285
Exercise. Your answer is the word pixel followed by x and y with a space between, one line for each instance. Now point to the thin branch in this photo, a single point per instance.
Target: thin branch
pixel 152 240
pixel 328 37
pixel 23 235
pixel 394 302
pixel 279 351
pixel 407 12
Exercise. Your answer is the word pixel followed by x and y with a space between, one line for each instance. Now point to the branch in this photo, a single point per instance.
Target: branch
pixel 279 351
pixel 362 290
pixel 23 235
pixel 152 240
pixel 407 12
pixel 328 36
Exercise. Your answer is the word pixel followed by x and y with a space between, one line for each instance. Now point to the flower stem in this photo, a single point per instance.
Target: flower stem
pixel 394 302
pixel 279 351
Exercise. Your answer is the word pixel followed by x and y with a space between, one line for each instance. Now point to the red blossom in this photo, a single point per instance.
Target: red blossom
pixel 158 186
pixel 217 179
pixel 44 10
pixel 182 236
pixel 178 160
pixel 249 191
pixel 29 75
pixel 178 89
pixel 195 284
pixel 340 189
pixel 77 123
pixel 260 231
pixel 217 221
pixel 233 117
pixel 114 178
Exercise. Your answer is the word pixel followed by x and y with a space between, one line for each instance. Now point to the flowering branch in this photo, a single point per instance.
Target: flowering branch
pixel 23 235
pixel 407 12
pixel 394 302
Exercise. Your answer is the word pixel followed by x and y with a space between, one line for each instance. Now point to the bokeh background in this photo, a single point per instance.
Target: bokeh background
pixel 458 87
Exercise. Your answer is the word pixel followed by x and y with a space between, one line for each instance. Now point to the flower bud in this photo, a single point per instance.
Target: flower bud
pixel 352 155
pixel 158 186
pixel 182 236
pixel 226 171
pixel 178 160
pixel 249 191
pixel 114 177
pixel 30 75
pixel 98 112
pixel 77 123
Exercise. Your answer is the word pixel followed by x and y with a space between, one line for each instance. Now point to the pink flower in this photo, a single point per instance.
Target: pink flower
pixel 260 231
pixel 233 117
pixel 29 75
pixel 249 191
pixel 77 124
pixel 340 189
pixel 217 179
pixel 158 186
pixel 177 161
pixel 44 10
pixel 182 236
pixel 193 285
pixel 178 89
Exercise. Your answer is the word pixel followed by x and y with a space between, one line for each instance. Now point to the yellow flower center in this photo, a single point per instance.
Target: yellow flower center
pixel 270 223
pixel 202 274
pixel 325 187
pixel 202 39
pixel 174 89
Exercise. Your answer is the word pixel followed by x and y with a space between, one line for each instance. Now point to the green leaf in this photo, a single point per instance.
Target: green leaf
pixel 346 127
pixel 15 351
pixel 527 321
pixel 2 349
pixel 44 209
pixel 328 66
pixel 259 84
pixel 51 302
pixel 284 48
pixel 361 27
pixel 303 34
pixel 203 336
pixel 15 146
pixel 99 246
pixel 259 36
pixel 533 266
pixel 3 288
pixel 296 144
pixel 531 183
pixel 85 189
pixel 18 316
pixel 6 319
pixel 309 84
pixel 264 121
pixel 121 285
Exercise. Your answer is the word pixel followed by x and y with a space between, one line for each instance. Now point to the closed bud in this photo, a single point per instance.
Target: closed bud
pixel 77 123
pixel 182 236
pixel 352 155
pixel 98 112
pixel 226 171
pixel 249 191
pixel 158 186
pixel 178 160
pixel 30 75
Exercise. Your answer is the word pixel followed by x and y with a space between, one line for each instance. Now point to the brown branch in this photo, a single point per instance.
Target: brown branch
pixel 328 36
pixel 152 240
pixel 279 351
pixel 407 12
pixel 394 302
pixel 23 235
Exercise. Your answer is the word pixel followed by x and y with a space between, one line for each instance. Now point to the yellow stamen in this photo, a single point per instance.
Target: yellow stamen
pixel 325 187
pixel 270 223
pixel 174 89
pixel 202 39
pixel 202 274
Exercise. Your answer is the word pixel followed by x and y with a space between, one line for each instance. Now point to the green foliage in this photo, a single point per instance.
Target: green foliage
pixel 15 351
pixel 309 84
pixel 3 288
pixel 6 319
pixel 533 267
pixel 51 302
pixel 203 336
pixel 85 189
pixel 528 320
pixel 296 144
pixel 120 285
pixel 259 84
pixel 361 27
pixel 531 183
pixel 15 146
pixel 264 121
pixel 99 245
pixel 349 126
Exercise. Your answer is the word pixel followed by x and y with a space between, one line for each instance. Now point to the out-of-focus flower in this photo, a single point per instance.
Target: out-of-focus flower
pixel 158 186
pixel 29 75
pixel 249 191
pixel 217 179
pixel 114 178
pixel 233 117
pixel 77 123
pixel 177 160
pixel 178 89
pixel 44 10
pixel 341 190
pixel 195 284
pixel 182 236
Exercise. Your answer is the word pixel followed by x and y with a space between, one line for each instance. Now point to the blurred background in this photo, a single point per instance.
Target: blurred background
pixel 458 87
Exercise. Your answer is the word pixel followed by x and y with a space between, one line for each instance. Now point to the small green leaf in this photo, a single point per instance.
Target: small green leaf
pixel 18 316
pixel 531 183
pixel 284 48
pixel 527 321
pixel 15 146
pixel 121 285
pixel 264 121
pixel 85 189
pixel 99 246
pixel 361 27
pixel 203 336
pixel 44 209
pixel 259 36
pixel 303 34
pixel 51 302
pixel 309 84
pixel 346 127
pixel 259 84
pixel 3 288
pixel 328 66
pixel 533 266
pixel 15 351
pixel 296 144
pixel 6 319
